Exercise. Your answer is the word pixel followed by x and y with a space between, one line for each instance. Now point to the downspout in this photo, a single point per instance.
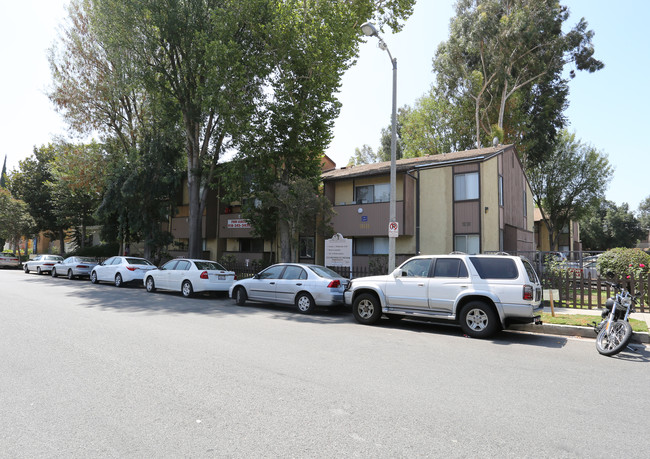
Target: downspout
pixel 417 209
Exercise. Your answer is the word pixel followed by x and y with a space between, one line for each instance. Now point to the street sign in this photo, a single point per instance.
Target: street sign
pixel 393 229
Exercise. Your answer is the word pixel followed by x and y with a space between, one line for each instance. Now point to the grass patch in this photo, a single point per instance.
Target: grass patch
pixel 587 321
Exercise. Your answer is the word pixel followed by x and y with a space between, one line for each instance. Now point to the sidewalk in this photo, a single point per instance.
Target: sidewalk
pixel 584 332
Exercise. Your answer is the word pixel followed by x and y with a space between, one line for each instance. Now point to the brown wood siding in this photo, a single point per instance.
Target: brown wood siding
pixel 373 221
pixel 467 218
pixel 466 168
pixel 329 189
pixel 513 190
pixel 408 218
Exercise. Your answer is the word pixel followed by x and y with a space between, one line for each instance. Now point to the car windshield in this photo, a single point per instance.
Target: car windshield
pixel 209 265
pixel 86 260
pixel 322 271
pixel 53 257
pixel 137 261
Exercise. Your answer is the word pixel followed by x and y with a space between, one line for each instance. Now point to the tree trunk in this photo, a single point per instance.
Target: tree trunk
pixel 61 241
pixel 285 242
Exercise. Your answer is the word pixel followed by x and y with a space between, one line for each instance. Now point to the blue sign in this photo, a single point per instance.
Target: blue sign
pixel 364 218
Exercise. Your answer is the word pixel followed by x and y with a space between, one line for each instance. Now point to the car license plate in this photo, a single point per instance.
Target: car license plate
pixel 222 277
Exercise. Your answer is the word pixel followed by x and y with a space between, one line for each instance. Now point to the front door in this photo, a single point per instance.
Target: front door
pixel 450 278
pixel 263 287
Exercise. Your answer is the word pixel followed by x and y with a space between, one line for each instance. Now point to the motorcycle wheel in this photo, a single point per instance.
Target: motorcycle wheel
pixel 614 340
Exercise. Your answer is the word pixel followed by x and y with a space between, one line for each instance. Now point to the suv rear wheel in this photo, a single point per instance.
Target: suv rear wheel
pixel 478 320
pixel 366 309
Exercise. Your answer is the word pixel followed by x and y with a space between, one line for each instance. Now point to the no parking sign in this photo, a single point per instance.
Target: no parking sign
pixel 393 229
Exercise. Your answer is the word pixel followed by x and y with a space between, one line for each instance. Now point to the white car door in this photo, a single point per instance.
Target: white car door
pixel 161 277
pixel 450 278
pixel 107 273
pixel 177 275
pixel 410 290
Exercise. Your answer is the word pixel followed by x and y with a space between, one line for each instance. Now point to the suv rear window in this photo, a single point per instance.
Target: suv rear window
pixel 495 268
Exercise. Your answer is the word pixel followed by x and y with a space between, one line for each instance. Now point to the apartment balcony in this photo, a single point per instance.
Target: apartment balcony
pixel 372 219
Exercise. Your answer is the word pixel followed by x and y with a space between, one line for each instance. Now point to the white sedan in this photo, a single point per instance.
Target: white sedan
pixel 121 270
pixel 9 260
pixel 189 276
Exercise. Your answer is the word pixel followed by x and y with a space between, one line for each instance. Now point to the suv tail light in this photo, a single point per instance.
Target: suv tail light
pixel 334 284
pixel 204 275
pixel 528 292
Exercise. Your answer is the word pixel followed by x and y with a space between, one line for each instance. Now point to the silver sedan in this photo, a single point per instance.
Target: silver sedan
pixel 73 267
pixel 303 285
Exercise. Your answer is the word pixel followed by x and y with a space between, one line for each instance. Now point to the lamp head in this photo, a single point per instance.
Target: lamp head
pixel 369 29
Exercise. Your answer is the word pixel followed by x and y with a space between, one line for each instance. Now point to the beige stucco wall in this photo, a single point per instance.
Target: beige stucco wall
pixel 490 199
pixel 436 213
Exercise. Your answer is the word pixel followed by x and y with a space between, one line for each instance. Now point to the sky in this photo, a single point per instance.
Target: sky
pixel 607 109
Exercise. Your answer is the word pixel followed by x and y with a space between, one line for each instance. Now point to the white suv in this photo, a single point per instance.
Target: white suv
pixel 482 293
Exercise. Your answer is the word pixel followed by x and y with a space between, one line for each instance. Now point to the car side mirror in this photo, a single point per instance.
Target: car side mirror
pixel 256 276
pixel 397 273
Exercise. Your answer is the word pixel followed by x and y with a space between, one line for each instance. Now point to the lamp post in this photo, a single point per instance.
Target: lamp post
pixel 370 30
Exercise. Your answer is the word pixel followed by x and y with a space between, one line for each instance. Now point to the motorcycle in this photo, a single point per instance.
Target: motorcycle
pixel 615 331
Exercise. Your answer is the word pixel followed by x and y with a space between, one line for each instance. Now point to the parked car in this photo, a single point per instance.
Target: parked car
pixel 9 260
pixel 481 293
pixel 303 285
pixel 74 267
pixel 189 276
pixel 42 263
pixel 121 270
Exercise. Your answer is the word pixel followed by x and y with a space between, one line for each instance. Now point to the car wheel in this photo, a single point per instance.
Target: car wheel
pixel 305 303
pixel 26 269
pixel 93 277
pixel 478 320
pixel 70 274
pixel 240 296
pixel 118 280
pixel 150 285
pixel 53 273
pixel 38 270
pixel 366 309
pixel 186 289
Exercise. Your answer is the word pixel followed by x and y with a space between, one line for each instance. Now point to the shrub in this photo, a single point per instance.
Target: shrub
pixel 624 262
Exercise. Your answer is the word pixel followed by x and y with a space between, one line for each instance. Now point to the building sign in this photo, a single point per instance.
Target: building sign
pixel 239 223
pixel 338 251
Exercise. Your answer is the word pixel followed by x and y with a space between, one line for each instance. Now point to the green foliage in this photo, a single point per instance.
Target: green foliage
pixel 15 220
pixel 609 225
pixel 365 155
pixel 568 182
pixel 624 262
pixel 98 251
pixel 502 65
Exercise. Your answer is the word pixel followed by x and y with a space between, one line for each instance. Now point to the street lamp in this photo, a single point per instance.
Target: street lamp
pixel 370 30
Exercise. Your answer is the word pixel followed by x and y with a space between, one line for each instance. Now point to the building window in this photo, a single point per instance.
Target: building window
pixel 251 245
pixel 466 186
pixel 306 247
pixel 501 190
pixel 368 194
pixel 525 203
pixel 468 243
pixel 371 246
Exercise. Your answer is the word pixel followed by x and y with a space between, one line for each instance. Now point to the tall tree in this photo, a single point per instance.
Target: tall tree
pixel 364 155
pixel 206 59
pixel 15 220
pixel 29 184
pixel 3 174
pixel 310 46
pixel 569 181
pixel 77 184
pixel 609 226
pixel 498 48
pixel 644 214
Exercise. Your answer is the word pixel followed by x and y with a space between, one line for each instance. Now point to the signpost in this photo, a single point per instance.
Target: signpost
pixel 393 229
pixel 338 252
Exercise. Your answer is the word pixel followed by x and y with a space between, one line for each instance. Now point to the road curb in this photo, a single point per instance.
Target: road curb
pixel 572 330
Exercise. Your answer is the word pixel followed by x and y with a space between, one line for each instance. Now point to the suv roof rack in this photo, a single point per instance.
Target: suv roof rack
pixel 456 252
pixel 503 253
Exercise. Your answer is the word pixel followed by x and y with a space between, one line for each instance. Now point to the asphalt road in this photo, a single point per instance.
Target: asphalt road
pixel 96 371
